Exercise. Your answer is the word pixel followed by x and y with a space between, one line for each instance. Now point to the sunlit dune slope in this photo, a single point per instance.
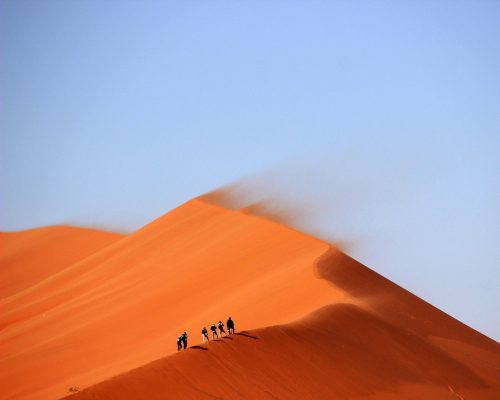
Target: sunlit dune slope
pixel 28 257
pixel 341 351
pixel 124 306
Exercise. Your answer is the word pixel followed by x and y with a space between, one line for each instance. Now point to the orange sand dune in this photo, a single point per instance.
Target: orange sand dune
pixel 28 257
pixel 355 333
pixel 125 305
pixel 341 351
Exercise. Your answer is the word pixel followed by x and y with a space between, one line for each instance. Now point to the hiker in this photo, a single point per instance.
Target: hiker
pixel 179 343
pixel 230 326
pixel 204 334
pixel 221 328
pixel 214 331
pixel 185 340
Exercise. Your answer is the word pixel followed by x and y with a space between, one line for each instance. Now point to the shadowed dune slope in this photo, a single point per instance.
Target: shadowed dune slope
pixel 124 306
pixel 28 257
pixel 341 351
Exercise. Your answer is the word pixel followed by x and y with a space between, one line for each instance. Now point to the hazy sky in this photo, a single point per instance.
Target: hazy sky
pixel 383 115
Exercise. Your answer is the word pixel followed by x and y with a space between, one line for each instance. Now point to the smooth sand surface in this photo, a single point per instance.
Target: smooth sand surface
pixel 335 329
pixel 28 257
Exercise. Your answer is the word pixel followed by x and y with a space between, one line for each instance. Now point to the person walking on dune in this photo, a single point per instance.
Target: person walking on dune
pixel 185 340
pixel 204 334
pixel 230 326
pixel 214 331
pixel 221 328
pixel 179 343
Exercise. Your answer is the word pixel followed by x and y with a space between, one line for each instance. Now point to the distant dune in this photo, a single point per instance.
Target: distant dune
pixel 28 257
pixel 312 322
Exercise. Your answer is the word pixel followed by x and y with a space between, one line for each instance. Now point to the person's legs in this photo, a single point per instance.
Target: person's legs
pixel 185 344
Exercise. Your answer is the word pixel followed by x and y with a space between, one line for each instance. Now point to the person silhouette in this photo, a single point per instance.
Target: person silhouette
pixel 204 334
pixel 230 326
pixel 221 328
pixel 214 331
pixel 185 340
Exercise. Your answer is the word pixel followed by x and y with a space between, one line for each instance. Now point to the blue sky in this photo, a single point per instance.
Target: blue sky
pixel 114 112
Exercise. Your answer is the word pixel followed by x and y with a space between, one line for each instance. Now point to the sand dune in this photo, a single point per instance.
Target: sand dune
pixel 339 352
pixel 391 346
pixel 124 305
pixel 335 328
pixel 28 257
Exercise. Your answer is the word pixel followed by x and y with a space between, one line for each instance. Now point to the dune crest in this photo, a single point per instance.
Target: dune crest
pixel 331 322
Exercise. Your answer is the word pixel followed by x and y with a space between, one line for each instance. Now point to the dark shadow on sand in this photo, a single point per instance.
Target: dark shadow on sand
pixel 246 334
pixel 198 348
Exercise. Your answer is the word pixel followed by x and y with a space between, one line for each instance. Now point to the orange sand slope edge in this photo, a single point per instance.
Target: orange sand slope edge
pixel 123 306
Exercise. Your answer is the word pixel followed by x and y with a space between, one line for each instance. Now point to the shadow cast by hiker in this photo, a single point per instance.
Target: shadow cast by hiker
pixel 198 348
pixel 246 334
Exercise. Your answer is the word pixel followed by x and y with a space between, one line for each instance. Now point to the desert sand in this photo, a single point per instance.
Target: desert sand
pixel 101 312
